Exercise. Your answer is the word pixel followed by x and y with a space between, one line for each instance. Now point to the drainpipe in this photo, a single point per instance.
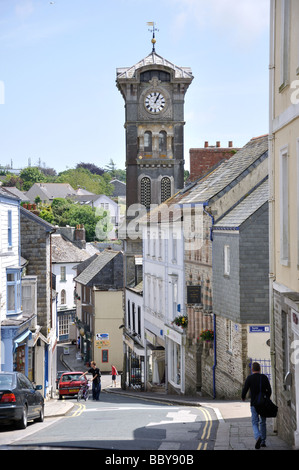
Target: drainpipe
pixel 215 358
pixel 214 316
pixel 272 198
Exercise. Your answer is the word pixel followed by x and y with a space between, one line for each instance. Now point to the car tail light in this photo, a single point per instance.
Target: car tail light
pixel 8 398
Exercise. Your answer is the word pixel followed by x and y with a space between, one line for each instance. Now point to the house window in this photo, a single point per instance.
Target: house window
pixel 63 297
pixel 165 189
pixel 174 247
pixel 129 315
pixel 64 321
pixel 145 190
pixel 226 260
pixel 9 228
pixel 13 290
pixel 62 273
pixel 105 355
pixel 139 320
pixel 284 206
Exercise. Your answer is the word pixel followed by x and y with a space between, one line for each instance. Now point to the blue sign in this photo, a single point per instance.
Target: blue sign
pixel 259 329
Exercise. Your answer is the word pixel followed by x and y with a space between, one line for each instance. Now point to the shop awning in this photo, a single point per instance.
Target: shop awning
pixel 20 339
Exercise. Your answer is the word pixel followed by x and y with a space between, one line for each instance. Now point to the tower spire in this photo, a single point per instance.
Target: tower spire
pixel 152 30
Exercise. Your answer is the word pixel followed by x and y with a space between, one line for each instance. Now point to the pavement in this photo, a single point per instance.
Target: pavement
pixel 234 429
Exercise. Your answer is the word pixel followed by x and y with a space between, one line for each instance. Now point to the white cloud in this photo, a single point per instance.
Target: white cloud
pixel 240 20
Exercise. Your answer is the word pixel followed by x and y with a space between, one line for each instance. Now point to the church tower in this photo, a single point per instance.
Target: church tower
pixel 154 92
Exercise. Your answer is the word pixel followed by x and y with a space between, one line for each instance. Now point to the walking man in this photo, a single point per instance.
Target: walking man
pixel 96 380
pixel 257 382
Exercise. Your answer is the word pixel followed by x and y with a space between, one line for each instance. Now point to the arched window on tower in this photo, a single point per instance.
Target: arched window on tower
pixel 148 141
pixel 145 192
pixel 162 143
pixel 165 188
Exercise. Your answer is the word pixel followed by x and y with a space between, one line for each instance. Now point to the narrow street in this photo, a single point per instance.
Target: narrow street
pixel 120 423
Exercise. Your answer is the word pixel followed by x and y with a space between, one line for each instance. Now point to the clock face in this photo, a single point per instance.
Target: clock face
pixel 154 102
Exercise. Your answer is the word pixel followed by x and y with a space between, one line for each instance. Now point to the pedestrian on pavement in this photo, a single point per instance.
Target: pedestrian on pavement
pixel 114 373
pixel 257 382
pixel 96 380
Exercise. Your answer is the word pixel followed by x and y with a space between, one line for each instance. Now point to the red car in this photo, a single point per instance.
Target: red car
pixel 70 384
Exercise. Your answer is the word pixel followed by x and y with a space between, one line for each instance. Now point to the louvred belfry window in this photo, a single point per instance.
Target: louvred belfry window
pixel 165 189
pixel 145 190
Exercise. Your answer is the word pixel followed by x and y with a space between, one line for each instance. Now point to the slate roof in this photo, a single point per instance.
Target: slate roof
pixel 154 59
pixel 228 174
pixel 52 190
pixel 245 208
pixel 64 251
pixel 98 262
pixel 8 194
pixel 15 192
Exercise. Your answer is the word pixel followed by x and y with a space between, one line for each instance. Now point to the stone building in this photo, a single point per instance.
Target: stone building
pixel 284 210
pixel 209 199
pixel 241 291
pixel 36 249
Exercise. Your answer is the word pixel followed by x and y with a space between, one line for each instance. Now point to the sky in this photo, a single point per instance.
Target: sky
pixel 59 104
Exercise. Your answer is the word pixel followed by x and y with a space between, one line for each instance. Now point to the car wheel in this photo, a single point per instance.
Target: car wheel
pixel 40 419
pixel 22 424
pixel 60 397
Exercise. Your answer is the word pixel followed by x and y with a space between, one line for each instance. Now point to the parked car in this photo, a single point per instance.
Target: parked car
pixel 58 375
pixel 20 400
pixel 70 383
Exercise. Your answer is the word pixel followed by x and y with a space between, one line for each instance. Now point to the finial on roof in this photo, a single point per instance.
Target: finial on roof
pixel 152 30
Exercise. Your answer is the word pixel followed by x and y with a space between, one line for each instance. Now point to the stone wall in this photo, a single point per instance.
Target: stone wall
pixel 232 364
pixel 35 248
pixel 285 395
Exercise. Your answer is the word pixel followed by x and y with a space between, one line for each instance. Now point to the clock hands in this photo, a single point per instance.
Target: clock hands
pixel 157 98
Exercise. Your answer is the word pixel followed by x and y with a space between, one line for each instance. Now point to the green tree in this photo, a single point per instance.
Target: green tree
pixel 81 177
pixel 84 215
pixel 60 209
pixel 31 175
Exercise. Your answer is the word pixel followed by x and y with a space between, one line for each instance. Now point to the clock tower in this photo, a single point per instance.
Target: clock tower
pixel 154 92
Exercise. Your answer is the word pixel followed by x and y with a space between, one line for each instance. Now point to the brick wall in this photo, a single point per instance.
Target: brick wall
pixel 204 159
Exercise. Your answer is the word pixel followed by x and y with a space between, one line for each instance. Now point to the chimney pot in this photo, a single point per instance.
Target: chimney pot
pixel 230 143
pixel 206 144
pixel 218 143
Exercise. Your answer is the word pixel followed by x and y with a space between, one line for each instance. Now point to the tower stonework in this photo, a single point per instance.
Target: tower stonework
pixel 154 93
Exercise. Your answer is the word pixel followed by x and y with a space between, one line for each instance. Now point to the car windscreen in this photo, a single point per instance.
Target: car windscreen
pixel 69 377
pixel 7 381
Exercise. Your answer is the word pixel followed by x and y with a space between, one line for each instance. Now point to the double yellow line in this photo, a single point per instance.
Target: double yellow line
pixel 79 411
pixel 206 430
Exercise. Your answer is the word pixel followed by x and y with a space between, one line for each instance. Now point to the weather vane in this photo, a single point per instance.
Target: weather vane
pixel 152 30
